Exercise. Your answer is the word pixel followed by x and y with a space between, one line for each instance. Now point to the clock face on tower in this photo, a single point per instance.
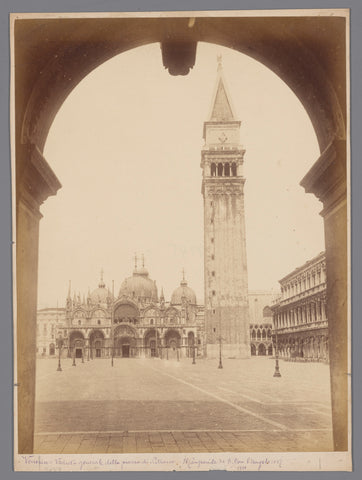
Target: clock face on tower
pixel 223 137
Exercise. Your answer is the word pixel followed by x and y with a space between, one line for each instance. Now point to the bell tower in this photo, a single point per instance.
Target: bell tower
pixel 225 275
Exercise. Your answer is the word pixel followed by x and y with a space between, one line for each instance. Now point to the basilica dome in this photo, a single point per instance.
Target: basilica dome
pixel 183 292
pixel 100 294
pixel 139 286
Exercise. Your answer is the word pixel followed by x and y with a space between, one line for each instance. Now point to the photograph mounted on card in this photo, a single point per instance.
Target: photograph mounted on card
pixel 181 240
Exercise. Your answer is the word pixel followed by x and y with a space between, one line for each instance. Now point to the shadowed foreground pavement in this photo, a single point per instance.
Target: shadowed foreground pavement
pixel 157 405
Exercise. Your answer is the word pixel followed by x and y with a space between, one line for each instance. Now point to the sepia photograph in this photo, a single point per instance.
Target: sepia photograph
pixel 181 227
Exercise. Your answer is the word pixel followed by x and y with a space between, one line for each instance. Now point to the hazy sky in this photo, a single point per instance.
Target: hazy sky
pixel 126 146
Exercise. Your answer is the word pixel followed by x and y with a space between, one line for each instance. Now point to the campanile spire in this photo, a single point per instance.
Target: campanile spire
pixel 221 105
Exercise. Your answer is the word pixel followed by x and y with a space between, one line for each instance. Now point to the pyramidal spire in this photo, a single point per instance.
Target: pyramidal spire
pixel 221 106
pixel 135 263
pixel 101 282
pixel 183 281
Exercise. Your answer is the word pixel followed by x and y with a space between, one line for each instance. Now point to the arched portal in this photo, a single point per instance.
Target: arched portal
pixel 261 349
pixel 77 344
pixel 172 340
pixel 125 343
pixel 96 344
pixel 151 342
pixel 295 48
pixel 125 313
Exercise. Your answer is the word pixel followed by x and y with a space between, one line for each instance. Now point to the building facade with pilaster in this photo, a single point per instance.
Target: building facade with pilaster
pixel 49 322
pixel 299 315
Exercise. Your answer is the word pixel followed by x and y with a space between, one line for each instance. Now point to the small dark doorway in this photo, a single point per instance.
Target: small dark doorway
pixel 153 348
pixel 98 353
pixel 125 351
pixel 78 353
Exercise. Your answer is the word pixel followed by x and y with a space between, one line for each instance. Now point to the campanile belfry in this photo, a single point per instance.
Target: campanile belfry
pixel 226 275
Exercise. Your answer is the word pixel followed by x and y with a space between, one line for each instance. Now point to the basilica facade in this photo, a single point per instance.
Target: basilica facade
pixel 135 323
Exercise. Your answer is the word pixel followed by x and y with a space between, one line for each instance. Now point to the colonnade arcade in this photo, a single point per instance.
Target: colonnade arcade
pixel 223 169
pixel 261 340
pixel 302 329
pixel 309 311
pixel 306 346
pixel 130 342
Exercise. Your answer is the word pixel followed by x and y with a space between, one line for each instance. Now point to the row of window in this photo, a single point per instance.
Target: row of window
pixel 258 335
pixel 223 169
pixel 79 322
pixel 301 315
pixel 302 284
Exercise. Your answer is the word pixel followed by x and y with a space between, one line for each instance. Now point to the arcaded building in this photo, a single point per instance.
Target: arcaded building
pixel 261 322
pixel 137 322
pixel 299 315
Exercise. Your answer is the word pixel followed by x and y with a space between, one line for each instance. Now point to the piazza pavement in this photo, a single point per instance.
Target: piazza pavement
pixel 164 406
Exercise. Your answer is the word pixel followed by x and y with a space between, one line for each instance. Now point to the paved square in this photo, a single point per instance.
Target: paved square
pixel 157 405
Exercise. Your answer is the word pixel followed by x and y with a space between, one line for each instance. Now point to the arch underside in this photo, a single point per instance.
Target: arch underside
pixel 299 50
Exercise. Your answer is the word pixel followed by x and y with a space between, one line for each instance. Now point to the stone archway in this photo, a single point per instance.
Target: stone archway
pixel 261 349
pixel 295 48
pixel 96 344
pixel 151 342
pixel 125 343
pixel 76 344
pixel 172 341
pixel 125 313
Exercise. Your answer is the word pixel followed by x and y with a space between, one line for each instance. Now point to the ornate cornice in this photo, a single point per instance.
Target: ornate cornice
pixel 303 328
pixel 223 185
pixel 36 181
pixel 327 178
